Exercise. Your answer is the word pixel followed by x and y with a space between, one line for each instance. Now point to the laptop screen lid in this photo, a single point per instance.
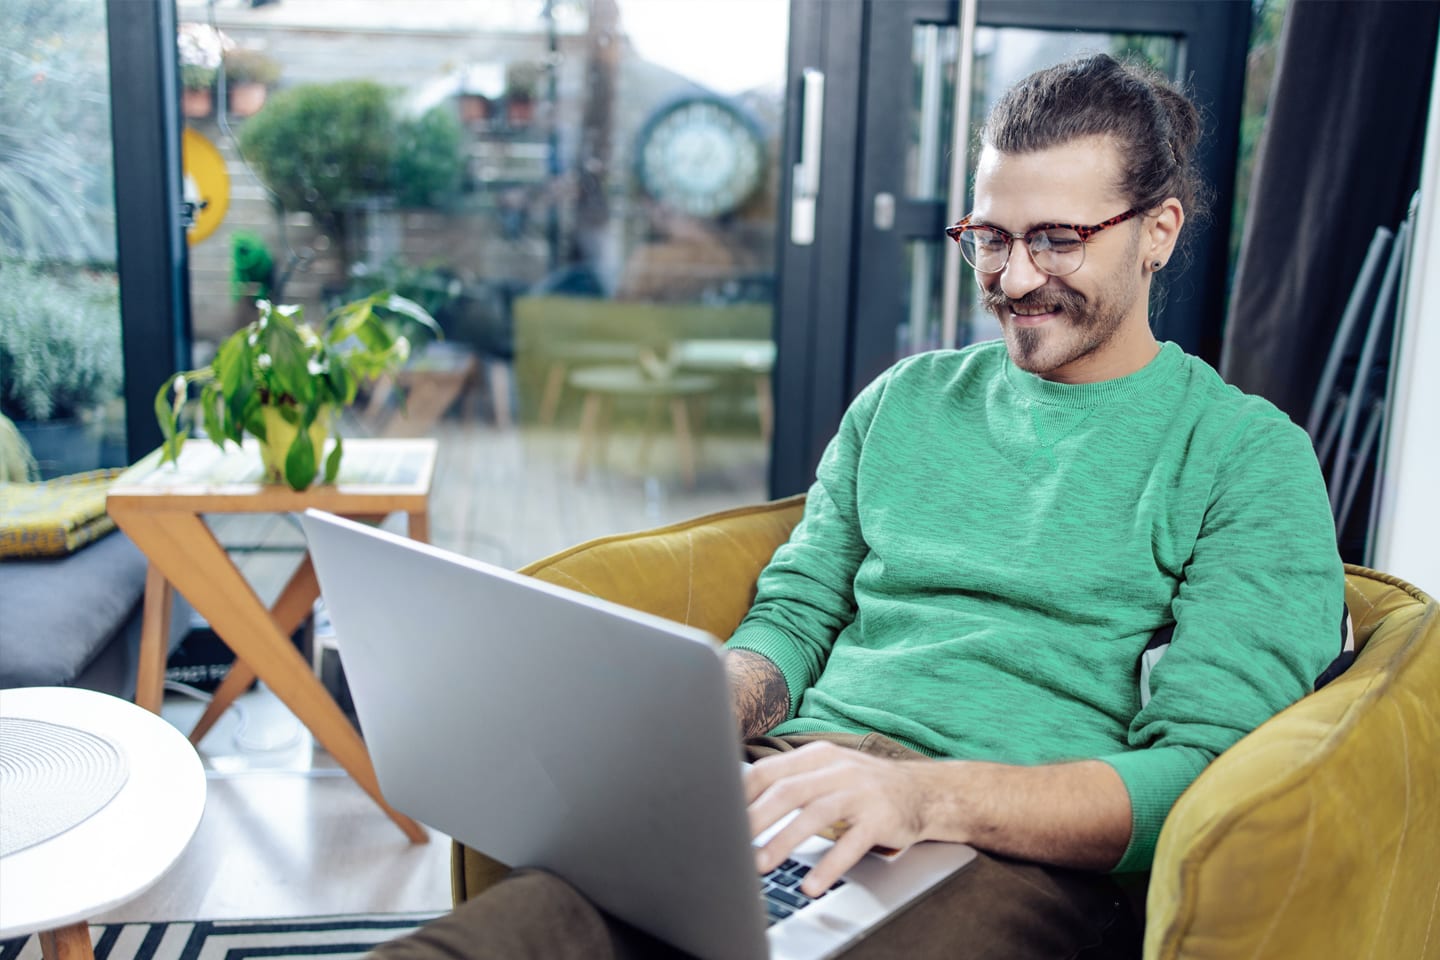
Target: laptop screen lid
pixel 548 728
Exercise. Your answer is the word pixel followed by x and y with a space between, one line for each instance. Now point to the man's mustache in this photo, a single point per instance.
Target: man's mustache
pixel 1071 302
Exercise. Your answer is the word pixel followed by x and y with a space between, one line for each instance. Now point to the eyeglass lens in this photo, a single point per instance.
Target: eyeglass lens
pixel 1056 252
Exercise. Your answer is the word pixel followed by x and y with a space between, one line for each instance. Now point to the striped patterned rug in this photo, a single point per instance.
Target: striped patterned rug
pixel 333 938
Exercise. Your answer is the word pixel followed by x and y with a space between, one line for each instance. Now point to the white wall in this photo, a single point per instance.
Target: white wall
pixel 1408 536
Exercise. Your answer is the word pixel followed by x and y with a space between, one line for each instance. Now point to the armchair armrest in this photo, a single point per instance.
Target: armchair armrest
pixel 1318 834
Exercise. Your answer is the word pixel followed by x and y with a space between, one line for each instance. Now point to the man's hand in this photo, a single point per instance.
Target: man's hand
pixel 1068 814
pixel 878 801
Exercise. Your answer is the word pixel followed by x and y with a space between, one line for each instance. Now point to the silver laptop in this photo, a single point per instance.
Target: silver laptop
pixel 552 729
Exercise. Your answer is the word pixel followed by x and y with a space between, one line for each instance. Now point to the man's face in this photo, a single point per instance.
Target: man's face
pixel 1079 327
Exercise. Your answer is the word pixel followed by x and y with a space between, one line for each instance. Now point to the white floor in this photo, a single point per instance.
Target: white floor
pixel 286 833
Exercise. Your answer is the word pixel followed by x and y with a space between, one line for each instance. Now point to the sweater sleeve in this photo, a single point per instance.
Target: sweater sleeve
pixel 806 595
pixel 1255 622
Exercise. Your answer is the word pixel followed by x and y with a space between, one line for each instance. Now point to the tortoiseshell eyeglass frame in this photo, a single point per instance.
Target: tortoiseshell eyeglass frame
pixel 1084 232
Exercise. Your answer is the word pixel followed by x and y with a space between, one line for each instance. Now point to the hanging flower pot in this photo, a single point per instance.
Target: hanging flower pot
pixel 246 99
pixel 197 104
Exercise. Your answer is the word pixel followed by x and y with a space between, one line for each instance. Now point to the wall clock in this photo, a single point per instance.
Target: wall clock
pixel 702 155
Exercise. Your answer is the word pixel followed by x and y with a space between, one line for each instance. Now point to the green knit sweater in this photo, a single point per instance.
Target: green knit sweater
pixel 984 555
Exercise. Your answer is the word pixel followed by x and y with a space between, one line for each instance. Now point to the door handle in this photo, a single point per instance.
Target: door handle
pixel 805 175
pixel 959 174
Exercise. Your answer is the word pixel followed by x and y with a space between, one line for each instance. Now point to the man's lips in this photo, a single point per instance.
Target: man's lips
pixel 1033 316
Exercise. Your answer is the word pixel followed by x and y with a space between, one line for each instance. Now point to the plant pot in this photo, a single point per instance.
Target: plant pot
pixel 247 98
pixel 197 103
pixel 474 109
pixel 280 434
pixel 519 112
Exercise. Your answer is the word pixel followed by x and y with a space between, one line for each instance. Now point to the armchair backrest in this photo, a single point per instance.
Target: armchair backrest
pixel 700 572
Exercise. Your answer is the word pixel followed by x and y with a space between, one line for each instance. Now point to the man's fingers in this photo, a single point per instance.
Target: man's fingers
pixel 800 791
pixel 767 771
pixel 848 850
pixel 808 822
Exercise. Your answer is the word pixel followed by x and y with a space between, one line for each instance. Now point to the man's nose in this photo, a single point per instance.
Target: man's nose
pixel 1020 275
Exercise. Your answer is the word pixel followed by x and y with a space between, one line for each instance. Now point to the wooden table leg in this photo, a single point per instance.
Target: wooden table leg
pixel 589 425
pixel 291 608
pixel 765 405
pixel 190 557
pixel 154 640
pixel 680 414
pixel 67 943
pixel 550 398
pixel 418 526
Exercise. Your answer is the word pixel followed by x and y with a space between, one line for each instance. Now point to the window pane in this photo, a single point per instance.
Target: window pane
pixel 582 193
pixel 61 378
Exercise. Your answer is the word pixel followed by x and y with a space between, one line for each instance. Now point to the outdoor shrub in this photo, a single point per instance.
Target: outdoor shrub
pixel 321 146
pixel 56 200
pixel 252 267
pixel 429 161
pixel 60 350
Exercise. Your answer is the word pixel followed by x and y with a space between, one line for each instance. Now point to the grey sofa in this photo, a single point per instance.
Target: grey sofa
pixel 75 620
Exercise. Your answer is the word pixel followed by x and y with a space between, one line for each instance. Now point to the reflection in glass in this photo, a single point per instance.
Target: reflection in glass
pixel 583 194
pixel 60 359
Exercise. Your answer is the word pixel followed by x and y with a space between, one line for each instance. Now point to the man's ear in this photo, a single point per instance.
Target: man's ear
pixel 1162 232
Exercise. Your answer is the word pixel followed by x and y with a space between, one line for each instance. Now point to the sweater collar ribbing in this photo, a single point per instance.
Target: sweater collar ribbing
pixel 1082 395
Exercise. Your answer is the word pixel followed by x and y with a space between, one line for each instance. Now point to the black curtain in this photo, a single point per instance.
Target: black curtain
pixel 1340 156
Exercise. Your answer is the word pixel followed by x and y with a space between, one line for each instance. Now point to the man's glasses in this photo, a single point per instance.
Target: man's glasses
pixel 1056 248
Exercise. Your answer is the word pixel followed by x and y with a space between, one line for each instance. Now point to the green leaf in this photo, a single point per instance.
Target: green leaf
pixel 300 461
pixel 211 404
pixel 332 462
pixel 350 319
pixel 167 416
pixel 415 312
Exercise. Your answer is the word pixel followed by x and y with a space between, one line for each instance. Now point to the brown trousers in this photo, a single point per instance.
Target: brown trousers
pixel 993 909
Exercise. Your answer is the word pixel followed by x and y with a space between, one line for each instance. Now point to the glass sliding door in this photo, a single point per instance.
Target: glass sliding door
pixel 582 192
pixel 61 369
pixel 907 85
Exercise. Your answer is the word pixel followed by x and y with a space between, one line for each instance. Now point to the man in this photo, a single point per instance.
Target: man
pixel 994 536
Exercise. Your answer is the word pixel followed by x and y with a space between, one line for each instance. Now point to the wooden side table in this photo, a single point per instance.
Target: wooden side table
pixel 53 885
pixel 161 508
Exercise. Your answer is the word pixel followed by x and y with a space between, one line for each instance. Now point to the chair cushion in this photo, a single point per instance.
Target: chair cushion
pixel 1318 834
pixel 54 517
pixel 57 614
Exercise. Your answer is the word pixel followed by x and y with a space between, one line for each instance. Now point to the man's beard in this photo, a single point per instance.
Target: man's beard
pixel 1092 325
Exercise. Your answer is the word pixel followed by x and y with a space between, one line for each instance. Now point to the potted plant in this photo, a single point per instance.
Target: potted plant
pixel 249 75
pixel 522 83
pixel 200 48
pixel 60 361
pixel 284 382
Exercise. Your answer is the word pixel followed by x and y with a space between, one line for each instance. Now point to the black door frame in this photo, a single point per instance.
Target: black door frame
pixel 832 339
pixel 151 252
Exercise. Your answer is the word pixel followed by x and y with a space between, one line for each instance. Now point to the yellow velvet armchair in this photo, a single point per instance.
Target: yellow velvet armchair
pixel 1318 835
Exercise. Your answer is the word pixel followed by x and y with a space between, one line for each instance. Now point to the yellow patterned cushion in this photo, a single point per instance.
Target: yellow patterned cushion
pixel 54 517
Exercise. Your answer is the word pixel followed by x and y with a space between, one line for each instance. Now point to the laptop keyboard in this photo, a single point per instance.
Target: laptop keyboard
pixel 780 890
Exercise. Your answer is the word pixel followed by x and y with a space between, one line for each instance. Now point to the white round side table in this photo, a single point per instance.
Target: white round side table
pixel 112 855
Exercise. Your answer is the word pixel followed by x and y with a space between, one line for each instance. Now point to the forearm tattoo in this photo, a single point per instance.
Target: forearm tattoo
pixel 762 700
